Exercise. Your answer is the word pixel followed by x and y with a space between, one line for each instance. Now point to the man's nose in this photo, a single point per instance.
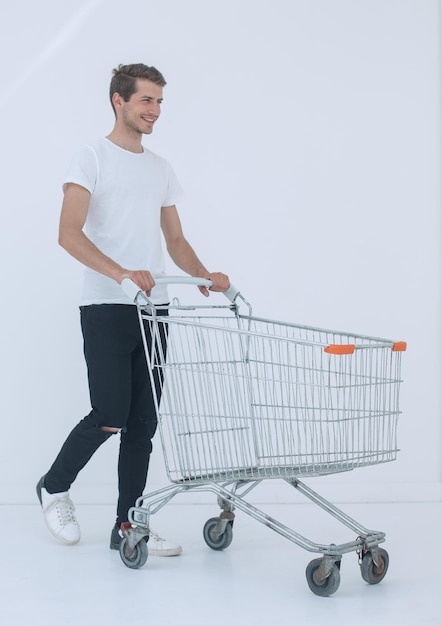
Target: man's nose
pixel 155 108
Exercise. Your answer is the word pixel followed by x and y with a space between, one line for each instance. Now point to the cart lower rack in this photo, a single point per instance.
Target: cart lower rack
pixel 242 399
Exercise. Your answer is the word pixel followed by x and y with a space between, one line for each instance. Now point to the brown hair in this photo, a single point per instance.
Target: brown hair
pixel 124 79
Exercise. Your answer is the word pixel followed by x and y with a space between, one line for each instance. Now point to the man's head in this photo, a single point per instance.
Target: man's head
pixel 124 79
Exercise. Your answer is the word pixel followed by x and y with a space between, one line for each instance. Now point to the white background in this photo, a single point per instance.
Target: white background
pixel 307 136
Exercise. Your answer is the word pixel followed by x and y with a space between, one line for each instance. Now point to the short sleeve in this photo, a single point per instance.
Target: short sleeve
pixel 83 169
pixel 174 191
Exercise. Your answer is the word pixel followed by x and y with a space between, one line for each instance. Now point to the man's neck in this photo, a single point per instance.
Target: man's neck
pixel 130 142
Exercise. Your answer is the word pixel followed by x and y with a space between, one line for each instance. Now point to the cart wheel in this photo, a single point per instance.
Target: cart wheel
pixel 372 573
pixel 138 557
pixel 213 540
pixel 327 586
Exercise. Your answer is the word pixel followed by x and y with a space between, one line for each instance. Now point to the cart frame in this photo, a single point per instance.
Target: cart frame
pixel 330 404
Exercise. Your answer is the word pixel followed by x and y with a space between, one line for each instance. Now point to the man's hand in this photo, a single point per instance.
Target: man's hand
pixel 142 278
pixel 220 282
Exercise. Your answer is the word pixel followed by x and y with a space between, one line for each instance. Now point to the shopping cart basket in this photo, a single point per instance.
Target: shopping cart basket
pixel 241 399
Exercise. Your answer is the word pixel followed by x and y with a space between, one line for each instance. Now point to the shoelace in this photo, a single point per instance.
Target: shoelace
pixel 65 511
pixel 155 536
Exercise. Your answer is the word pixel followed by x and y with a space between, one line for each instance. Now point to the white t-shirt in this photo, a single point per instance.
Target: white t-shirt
pixel 127 193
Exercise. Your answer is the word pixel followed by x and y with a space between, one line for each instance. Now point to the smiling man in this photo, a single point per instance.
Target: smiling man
pixel 118 198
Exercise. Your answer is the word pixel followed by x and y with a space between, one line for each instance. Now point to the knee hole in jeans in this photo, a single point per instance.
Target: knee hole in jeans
pixel 110 429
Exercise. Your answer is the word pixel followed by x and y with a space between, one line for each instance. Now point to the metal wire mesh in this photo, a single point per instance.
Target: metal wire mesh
pixel 247 397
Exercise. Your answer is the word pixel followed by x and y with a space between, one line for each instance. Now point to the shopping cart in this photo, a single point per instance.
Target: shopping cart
pixel 241 399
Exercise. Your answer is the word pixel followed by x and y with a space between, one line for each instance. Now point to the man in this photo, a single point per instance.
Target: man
pixel 118 197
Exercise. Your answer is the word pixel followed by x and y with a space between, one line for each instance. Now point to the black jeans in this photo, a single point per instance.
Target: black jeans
pixel 121 397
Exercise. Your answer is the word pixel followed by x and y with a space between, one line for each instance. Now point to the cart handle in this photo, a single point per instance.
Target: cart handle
pixel 132 290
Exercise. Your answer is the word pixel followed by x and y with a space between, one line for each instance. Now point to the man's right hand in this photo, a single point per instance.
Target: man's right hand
pixel 142 278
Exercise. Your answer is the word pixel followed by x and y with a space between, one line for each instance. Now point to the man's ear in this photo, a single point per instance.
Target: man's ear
pixel 117 100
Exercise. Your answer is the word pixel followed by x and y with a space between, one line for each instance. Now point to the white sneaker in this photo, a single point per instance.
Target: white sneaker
pixel 162 547
pixel 59 514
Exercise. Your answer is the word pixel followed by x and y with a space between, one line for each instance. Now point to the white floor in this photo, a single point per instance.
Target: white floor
pixel 259 580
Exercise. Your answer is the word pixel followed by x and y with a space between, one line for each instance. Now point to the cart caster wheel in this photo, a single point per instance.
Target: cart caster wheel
pixel 325 587
pixel 138 557
pixel 211 537
pixel 372 573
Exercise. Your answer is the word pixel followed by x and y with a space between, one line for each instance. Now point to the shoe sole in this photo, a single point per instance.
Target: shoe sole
pixel 170 552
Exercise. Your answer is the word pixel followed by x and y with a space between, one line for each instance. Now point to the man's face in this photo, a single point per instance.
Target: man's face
pixel 143 108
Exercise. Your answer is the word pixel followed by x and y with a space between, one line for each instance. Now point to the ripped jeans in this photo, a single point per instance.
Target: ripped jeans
pixel 121 397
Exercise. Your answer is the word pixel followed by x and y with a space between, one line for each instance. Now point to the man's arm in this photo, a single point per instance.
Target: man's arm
pixel 73 239
pixel 182 253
